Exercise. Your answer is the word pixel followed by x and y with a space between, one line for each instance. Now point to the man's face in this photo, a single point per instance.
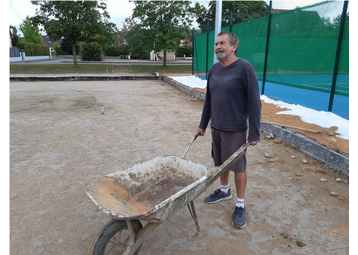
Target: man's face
pixel 223 48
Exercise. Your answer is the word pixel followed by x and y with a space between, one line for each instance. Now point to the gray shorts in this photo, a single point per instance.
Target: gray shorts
pixel 224 144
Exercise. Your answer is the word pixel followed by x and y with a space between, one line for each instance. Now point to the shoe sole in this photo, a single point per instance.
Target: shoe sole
pixel 222 199
pixel 239 227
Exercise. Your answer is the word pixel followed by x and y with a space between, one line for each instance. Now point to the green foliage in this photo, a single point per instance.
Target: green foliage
pixel 140 55
pixel 86 21
pixel 32 49
pixel 242 11
pixel 30 32
pixel 115 51
pixel 66 46
pixel 186 50
pixel 14 37
pixel 59 51
pixel 163 24
pixel 91 52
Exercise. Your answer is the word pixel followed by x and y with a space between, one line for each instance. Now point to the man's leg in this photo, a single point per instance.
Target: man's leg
pixel 224 193
pixel 240 184
pixel 224 178
pixel 239 215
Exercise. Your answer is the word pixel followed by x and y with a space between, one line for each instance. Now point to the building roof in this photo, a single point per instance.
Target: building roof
pixel 47 41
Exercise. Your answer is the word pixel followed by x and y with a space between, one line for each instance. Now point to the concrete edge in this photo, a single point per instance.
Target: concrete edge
pixel 329 156
pixel 184 88
pixel 83 78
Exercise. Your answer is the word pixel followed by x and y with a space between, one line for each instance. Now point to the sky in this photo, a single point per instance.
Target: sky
pixel 119 10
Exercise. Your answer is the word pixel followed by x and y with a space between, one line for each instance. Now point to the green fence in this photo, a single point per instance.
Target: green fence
pixel 301 56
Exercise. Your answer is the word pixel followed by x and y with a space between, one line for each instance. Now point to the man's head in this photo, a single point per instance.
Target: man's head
pixel 226 44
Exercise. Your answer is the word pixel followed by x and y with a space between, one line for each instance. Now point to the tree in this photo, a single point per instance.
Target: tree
pixel 163 24
pixel 128 25
pixel 30 31
pixel 13 35
pixel 75 20
pixel 242 11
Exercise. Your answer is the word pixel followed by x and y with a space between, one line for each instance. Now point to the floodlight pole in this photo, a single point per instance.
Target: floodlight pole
pixel 266 50
pixel 218 18
pixel 338 54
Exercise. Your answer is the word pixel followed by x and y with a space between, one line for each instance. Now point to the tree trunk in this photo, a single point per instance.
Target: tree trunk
pixel 165 58
pixel 74 54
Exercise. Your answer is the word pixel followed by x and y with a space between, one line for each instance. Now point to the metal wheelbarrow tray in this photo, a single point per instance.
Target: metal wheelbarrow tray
pixel 151 191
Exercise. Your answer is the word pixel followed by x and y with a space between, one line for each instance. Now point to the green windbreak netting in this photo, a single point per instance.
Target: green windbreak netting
pixel 301 57
pixel 304 42
pixel 252 42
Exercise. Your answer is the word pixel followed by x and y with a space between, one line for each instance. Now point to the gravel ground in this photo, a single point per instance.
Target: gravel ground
pixel 60 143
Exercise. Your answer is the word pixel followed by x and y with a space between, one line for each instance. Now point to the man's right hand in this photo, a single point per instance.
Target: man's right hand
pixel 202 132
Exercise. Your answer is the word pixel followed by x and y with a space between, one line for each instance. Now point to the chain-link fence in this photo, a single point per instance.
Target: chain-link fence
pixel 301 56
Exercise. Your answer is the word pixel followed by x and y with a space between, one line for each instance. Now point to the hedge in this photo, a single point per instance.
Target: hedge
pixel 91 52
pixel 59 51
pixel 115 51
pixel 32 49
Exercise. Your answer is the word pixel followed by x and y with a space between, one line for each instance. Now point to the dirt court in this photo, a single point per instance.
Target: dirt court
pixel 60 143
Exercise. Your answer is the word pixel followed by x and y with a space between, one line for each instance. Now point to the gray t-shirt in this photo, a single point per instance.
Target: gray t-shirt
pixel 232 97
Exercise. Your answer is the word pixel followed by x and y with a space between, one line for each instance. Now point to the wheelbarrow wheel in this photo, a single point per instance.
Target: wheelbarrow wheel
pixel 114 238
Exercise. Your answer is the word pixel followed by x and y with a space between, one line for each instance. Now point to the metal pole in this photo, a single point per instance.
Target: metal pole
pixel 266 50
pixel 192 54
pixel 231 22
pixel 207 49
pixel 218 18
pixel 338 54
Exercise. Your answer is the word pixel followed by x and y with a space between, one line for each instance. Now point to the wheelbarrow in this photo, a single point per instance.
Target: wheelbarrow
pixel 152 192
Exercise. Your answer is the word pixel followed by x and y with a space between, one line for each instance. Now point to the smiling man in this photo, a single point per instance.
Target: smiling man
pixel 232 98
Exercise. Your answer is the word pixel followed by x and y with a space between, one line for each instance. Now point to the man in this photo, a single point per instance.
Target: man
pixel 232 97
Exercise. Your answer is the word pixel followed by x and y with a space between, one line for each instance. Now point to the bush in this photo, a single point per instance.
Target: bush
pixel 186 50
pixel 115 51
pixel 67 47
pixel 32 49
pixel 59 51
pixel 91 52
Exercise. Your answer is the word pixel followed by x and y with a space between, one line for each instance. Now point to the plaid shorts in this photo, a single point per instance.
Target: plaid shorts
pixel 224 144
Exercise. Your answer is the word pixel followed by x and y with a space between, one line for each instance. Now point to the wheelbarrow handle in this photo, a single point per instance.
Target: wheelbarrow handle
pixel 190 143
pixel 227 164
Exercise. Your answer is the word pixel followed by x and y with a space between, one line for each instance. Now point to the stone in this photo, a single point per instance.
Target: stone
pixel 293 157
pixel 277 141
pixel 270 136
pixel 338 180
pixel 323 180
pixel 304 161
pixel 334 193
pixel 267 155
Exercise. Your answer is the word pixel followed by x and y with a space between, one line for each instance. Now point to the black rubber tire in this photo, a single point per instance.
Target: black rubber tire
pixel 110 230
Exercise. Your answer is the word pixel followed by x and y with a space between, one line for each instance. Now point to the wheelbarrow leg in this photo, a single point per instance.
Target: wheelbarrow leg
pixel 138 238
pixel 192 211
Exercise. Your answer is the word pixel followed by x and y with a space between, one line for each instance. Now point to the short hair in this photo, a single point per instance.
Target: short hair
pixel 233 39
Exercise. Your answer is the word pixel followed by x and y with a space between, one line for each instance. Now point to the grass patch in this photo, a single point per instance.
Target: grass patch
pixel 161 69
pixel 93 68
pixel 57 69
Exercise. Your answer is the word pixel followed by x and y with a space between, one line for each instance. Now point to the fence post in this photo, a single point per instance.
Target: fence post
pixel 192 54
pixel 207 50
pixel 338 55
pixel 266 50
pixel 230 22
